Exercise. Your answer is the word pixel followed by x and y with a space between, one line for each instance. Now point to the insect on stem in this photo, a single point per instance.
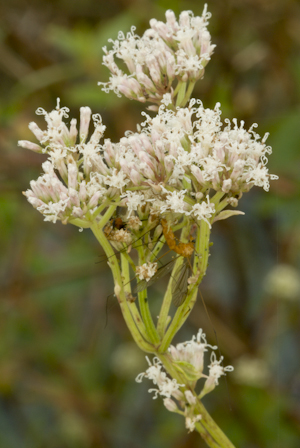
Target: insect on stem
pixel 180 279
pixel 182 273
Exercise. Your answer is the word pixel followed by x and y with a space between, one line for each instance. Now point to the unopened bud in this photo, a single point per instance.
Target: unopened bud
pixel 233 202
pixel 226 185
pixel 73 131
pixel 190 398
pixel 36 130
pixel 72 175
pixel 85 117
pixel 170 405
pixel 29 145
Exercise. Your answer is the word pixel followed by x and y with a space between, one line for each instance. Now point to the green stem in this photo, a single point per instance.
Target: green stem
pixel 221 205
pixel 106 217
pixel 99 209
pixel 205 435
pixel 157 248
pixel 135 328
pixel 188 93
pixel 127 288
pixel 182 313
pixel 181 93
pixel 219 439
pixel 177 88
pixel 217 197
pixel 164 311
pixel 144 307
pixel 84 224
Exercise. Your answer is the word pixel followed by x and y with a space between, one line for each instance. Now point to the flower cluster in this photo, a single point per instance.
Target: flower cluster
pixel 146 271
pixel 189 355
pixel 166 387
pixel 188 359
pixel 80 186
pixel 165 52
pixel 178 160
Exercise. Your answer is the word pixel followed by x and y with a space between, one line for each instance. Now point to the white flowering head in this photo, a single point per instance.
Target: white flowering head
pixel 166 387
pixel 173 166
pixel 188 360
pixel 76 178
pixel 189 356
pixel 168 52
pixel 182 158
pixel 216 370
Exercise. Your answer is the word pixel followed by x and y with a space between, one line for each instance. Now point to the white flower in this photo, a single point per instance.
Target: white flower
pixel 259 176
pixel 192 352
pixel 175 201
pixel 146 271
pixel 51 210
pixel 117 179
pixel 85 118
pixel 190 422
pixel 204 211
pixel 133 200
pixel 216 370
pixel 166 386
pixel 167 99
pixel 154 372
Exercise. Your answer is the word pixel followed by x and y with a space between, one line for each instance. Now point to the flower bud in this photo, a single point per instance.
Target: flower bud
pixel 72 176
pixel 36 131
pixel 85 117
pixel 170 405
pixel 29 145
pixel 227 183
pixel 190 398
pixel 73 131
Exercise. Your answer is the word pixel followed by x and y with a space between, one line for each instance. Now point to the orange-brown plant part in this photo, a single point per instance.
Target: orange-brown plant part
pixel 184 249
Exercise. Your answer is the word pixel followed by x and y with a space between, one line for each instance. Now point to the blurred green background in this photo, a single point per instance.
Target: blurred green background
pixel 66 380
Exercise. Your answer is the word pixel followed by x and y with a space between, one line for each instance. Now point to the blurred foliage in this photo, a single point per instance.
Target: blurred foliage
pixel 66 379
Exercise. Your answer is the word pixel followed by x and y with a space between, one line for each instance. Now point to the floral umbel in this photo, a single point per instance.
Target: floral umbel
pixel 188 359
pixel 164 185
pixel 166 53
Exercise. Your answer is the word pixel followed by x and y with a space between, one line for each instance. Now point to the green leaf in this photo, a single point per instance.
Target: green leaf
pixel 188 370
pixel 226 214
